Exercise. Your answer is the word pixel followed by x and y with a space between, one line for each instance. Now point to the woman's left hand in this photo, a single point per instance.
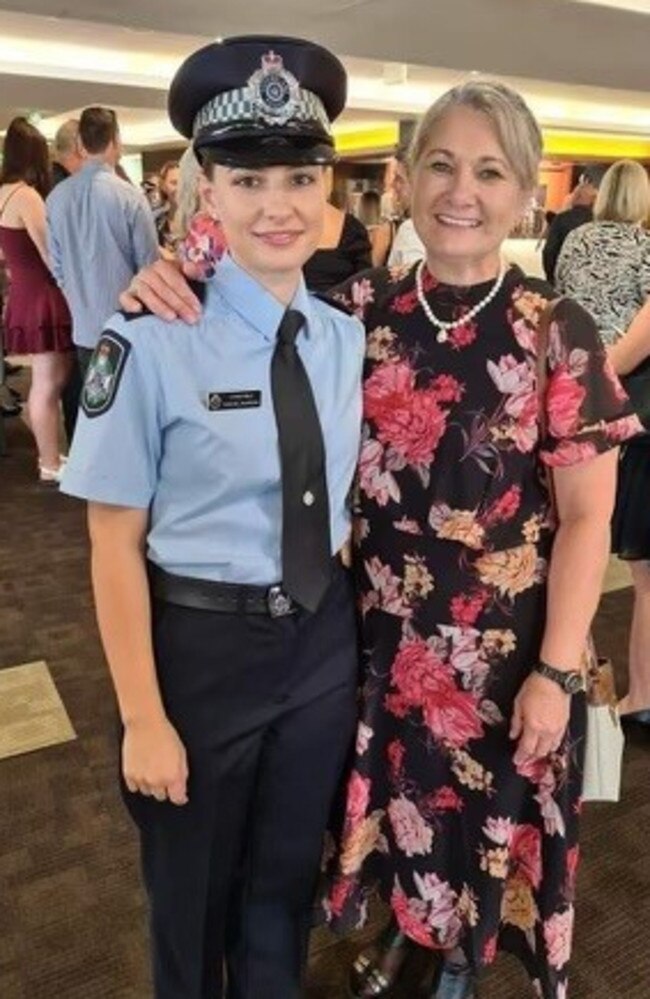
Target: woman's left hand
pixel 539 719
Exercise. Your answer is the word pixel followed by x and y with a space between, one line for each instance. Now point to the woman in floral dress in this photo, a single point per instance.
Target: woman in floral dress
pixel 463 803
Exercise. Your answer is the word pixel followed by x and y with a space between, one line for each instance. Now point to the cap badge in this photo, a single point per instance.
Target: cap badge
pixel 275 91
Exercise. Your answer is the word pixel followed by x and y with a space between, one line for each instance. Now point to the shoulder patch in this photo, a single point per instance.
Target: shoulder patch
pixel 335 303
pixel 104 373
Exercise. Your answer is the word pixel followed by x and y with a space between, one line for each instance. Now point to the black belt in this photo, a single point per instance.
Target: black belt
pixel 224 598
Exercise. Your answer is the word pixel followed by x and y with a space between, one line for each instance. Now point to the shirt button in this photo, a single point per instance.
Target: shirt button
pixel 308 498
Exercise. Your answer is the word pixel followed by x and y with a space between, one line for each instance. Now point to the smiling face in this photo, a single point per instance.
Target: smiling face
pixel 465 197
pixel 272 218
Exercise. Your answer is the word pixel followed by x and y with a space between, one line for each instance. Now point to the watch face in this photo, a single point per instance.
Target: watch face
pixel 574 683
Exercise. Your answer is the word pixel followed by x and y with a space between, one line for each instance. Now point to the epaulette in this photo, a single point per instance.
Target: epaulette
pixel 130 316
pixel 198 288
pixel 334 302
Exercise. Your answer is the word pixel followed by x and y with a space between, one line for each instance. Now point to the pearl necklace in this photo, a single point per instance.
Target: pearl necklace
pixel 445 328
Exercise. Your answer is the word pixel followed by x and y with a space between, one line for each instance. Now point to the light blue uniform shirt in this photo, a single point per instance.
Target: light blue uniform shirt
pixel 100 232
pixel 211 478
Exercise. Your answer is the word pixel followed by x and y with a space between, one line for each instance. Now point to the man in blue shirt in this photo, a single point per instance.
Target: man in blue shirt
pixel 217 460
pixel 100 231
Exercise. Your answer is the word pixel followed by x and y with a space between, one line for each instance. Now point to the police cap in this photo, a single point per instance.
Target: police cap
pixel 259 100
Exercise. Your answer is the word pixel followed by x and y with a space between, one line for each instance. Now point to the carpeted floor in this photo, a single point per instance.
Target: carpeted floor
pixel 72 914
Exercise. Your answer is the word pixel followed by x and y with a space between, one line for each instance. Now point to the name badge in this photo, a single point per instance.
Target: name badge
pixel 246 399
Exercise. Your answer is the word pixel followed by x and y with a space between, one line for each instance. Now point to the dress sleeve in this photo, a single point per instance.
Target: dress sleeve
pixel 362 291
pixel 587 410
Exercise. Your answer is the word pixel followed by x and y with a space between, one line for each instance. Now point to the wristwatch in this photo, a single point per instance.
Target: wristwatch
pixel 570 681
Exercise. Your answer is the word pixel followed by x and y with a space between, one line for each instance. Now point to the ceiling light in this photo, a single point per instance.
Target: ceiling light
pixel 638 6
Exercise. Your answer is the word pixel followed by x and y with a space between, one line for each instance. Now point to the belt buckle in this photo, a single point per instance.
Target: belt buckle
pixel 278 602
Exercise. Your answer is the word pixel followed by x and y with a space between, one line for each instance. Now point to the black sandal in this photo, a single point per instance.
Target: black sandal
pixel 371 975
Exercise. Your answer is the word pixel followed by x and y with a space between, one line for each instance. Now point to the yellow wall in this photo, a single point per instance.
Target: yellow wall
pixel 383 138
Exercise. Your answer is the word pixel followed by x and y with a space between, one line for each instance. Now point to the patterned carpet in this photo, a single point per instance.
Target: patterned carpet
pixel 72 914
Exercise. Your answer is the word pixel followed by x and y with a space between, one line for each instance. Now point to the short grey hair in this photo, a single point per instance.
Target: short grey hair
pixel 624 194
pixel 515 126
pixel 66 138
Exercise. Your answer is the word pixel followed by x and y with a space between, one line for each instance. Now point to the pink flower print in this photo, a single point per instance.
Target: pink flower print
pixel 466 608
pixel 395 753
pixel 558 934
pixel 512 378
pixel 339 895
pixel 623 429
pixel 389 387
pixel 407 525
pixel 358 797
pixel 424 682
pixel 362 294
pixel 411 914
pixel 463 336
pixel 526 853
pixel 387 589
pixel 413 835
pixel 504 508
pixel 499 830
pixel 564 398
pixel 452 715
pixel 406 303
pixel 414 430
pixel 445 799
pixel 375 482
pixel 442 913
pixel 525 335
pixel 446 388
pixel 569 453
pixel 364 735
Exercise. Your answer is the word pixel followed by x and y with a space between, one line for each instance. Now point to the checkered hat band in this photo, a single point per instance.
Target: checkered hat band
pixel 243 106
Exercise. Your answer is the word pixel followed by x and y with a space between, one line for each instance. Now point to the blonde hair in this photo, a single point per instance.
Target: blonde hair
pixel 515 126
pixel 187 197
pixel 624 194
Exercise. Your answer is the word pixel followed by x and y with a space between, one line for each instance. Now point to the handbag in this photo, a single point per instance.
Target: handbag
pixel 637 386
pixel 604 739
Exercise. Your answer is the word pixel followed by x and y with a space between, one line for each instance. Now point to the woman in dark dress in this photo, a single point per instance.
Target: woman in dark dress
pixel 344 249
pixel 476 596
pixel 37 320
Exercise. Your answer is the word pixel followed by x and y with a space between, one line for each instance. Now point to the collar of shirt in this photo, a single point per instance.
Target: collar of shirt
pixel 257 306
pixel 94 166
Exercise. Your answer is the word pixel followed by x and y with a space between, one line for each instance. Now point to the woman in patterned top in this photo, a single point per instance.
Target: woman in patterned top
pixel 605 265
pixel 464 794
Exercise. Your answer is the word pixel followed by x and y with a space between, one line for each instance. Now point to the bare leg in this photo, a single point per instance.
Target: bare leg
pixel 49 374
pixel 638 696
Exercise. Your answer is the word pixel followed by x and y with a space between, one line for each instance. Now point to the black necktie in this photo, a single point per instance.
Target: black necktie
pixel 306 546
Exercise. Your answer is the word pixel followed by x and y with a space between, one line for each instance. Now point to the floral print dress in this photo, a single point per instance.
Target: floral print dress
pixel 454 535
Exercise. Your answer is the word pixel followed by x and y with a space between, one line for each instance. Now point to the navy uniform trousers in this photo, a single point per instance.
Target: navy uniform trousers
pixel 266 708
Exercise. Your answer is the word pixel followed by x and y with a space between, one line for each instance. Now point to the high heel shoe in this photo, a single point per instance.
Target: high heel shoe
pixel 378 967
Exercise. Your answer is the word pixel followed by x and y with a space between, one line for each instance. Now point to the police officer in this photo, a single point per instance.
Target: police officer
pixel 217 461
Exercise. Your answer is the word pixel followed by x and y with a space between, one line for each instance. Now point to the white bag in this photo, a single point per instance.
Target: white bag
pixel 604 739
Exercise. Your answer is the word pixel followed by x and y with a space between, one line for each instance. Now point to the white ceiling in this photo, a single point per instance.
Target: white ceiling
pixel 595 60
